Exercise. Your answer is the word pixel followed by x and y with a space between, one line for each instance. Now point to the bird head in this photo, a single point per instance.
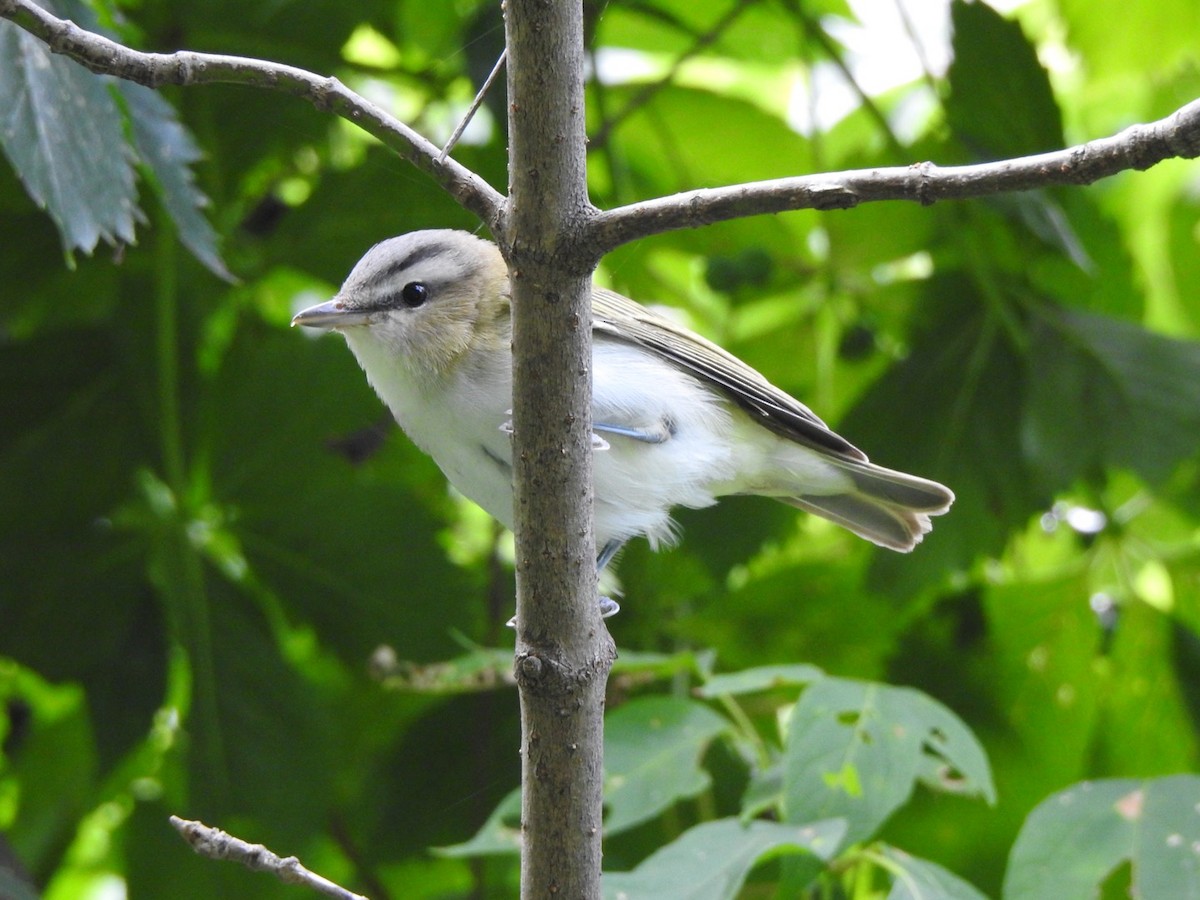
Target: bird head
pixel 427 299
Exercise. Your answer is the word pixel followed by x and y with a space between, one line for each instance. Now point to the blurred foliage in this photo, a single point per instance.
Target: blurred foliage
pixel 231 590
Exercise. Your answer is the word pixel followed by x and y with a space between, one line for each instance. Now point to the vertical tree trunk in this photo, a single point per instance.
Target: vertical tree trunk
pixel 564 652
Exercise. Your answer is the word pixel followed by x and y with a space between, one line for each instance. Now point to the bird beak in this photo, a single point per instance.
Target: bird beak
pixel 332 314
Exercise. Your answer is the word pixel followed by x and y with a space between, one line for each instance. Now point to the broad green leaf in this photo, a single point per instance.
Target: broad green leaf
pixel 762 678
pixel 951 411
pixel 1072 842
pixel 73 591
pixel 856 750
pixel 1148 695
pixel 1097 275
pixel 62 130
pixel 1044 643
pixel 49 769
pixel 920 879
pixel 1107 393
pixel 168 151
pixel 1000 102
pixel 500 834
pixel 652 752
pixel 684 119
pixel 349 545
pixel 758 33
pixel 710 861
pixel 1157 38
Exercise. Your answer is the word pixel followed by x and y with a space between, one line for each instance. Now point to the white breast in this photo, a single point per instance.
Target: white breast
pixel 636 481
pixel 460 429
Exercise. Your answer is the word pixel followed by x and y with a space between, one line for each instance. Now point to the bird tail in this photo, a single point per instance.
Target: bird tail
pixel 888 508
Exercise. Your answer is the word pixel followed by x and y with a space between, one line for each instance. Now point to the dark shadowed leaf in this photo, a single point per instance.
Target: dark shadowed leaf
pixel 951 411
pixel 168 151
pixel 62 130
pixel 1103 392
pixel 1000 102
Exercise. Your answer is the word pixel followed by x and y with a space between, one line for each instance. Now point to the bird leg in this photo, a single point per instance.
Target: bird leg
pixel 659 435
pixel 608 606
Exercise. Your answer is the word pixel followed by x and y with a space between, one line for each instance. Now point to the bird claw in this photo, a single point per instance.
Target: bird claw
pixel 608 608
pixel 598 443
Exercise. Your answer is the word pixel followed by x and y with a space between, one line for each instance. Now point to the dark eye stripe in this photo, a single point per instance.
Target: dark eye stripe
pixel 419 255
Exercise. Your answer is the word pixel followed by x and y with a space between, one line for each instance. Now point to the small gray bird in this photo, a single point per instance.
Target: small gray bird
pixel 678 421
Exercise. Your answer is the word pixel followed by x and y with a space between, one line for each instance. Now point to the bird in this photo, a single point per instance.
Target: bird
pixel 677 420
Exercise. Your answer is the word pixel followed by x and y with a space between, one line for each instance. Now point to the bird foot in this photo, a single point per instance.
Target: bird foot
pixel 608 608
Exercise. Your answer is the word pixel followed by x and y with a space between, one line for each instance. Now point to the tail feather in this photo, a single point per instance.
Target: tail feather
pixel 889 508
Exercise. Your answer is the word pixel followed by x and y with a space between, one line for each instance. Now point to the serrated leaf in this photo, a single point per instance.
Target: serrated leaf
pixel 920 879
pixel 950 411
pixel 857 749
pixel 652 752
pixel 710 861
pixel 1000 102
pixel 61 129
pixel 167 149
pixel 1104 392
pixel 761 678
pixel 1072 841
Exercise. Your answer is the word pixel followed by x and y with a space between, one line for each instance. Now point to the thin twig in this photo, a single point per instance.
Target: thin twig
pixel 99 54
pixel 1137 147
pixel 474 108
pixel 816 31
pixel 919 48
pixel 216 844
pixel 647 91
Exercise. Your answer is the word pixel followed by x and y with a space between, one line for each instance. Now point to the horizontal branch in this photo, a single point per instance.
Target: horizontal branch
pixel 1137 147
pixel 185 67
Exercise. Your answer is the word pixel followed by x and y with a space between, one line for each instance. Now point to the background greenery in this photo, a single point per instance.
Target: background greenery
pixel 231 590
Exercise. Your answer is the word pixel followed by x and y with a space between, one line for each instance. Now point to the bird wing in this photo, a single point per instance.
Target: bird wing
pixel 618 317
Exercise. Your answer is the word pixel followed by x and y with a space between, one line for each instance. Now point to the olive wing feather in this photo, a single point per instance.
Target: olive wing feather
pixel 619 318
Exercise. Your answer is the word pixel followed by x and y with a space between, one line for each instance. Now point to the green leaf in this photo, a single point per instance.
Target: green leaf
pixel 920 879
pixel 49 768
pixel 168 150
pixel 500 834
pixel 856 750
pixel 652 752
pixel 762 678
pixel 373 572
pixel 685 118
pixel 1164 38
pixel 710 861
pixel 1000 102
pixel 1043 643
pixel 61 129
pixel 1076 838
pixel 950 411
pixel 1107 393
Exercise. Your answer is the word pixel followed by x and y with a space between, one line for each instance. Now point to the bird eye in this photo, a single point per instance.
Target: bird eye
pixel 414 294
